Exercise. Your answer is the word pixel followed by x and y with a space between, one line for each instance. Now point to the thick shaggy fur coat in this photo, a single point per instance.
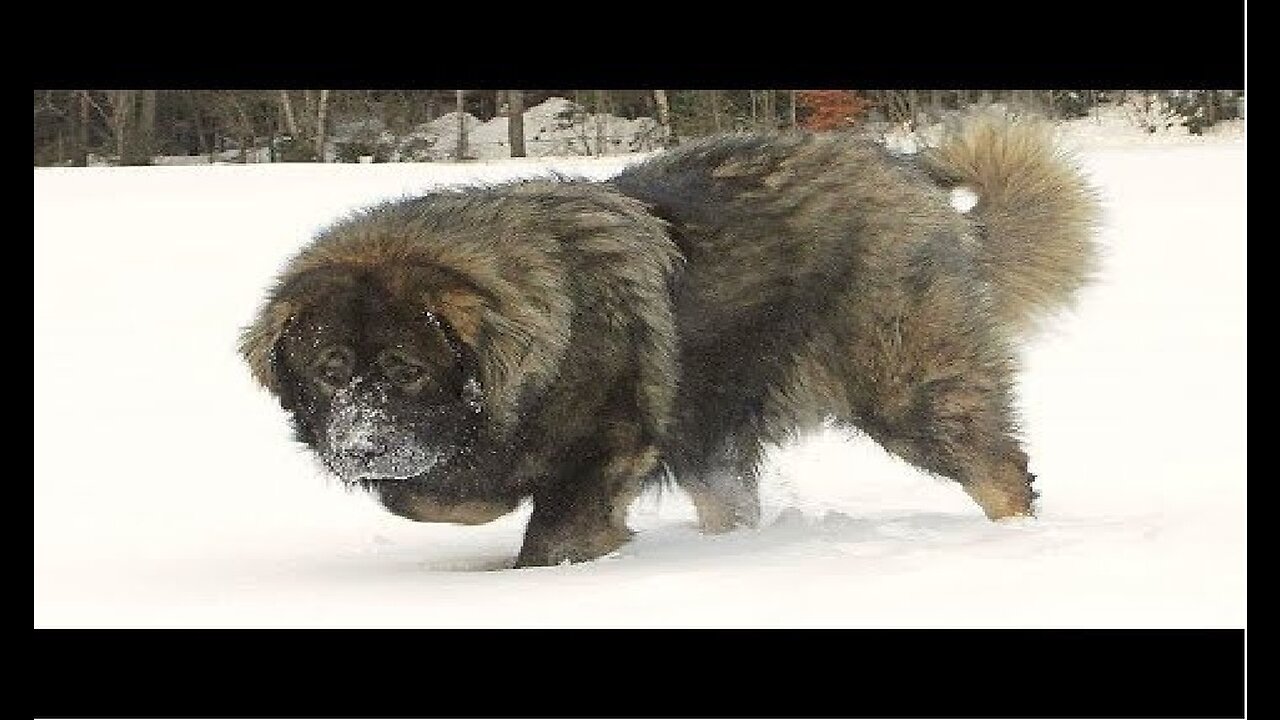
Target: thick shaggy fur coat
pixel 721 295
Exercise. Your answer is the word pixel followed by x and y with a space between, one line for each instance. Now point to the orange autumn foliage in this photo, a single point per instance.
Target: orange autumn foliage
pixel 829 109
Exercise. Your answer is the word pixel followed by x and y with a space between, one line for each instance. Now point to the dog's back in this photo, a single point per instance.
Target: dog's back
pixel 826 278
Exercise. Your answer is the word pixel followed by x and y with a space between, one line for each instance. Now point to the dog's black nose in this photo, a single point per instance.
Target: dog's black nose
pixel 363 448
pixel 365 451
pixel 361 454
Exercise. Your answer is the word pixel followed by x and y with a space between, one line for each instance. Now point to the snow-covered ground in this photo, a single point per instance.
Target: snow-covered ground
pixel 1115 125
pixel 168 492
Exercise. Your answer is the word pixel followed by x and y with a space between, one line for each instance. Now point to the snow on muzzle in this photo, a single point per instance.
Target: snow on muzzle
pixel 363 441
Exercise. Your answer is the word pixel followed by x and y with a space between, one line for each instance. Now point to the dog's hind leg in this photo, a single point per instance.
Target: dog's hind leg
pixel 934 386
pixel 725 489
pixel 955 428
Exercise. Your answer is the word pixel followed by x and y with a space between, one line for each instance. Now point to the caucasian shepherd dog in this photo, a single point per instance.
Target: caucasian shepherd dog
pixel 569 341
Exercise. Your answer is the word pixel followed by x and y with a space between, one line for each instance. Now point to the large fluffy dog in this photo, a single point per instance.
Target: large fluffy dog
pixel 567 341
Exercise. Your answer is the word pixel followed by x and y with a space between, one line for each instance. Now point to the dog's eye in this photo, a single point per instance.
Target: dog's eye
pixel 332 379
pixel 402 369
pixel 333 367
pixel 404 374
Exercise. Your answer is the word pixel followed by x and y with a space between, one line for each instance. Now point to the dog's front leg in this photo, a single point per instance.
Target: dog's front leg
pixel 584 515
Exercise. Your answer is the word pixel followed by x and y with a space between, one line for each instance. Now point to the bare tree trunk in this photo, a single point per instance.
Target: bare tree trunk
pixel 272 130
pixel 664 116
pixel 81 155
pixel 197 121
pixel 375 109
pixel 600 122
pixel 461 150
pixel 321 127
pixel 147 127
pixel 279 130
pixel 244 130
pixel 290 121
pixel 515 122
pixel 308 113
pixel 754 112
pixel 244 137
pixel 122 109
pixel 121 123
pixel 793 109
pixel 715 110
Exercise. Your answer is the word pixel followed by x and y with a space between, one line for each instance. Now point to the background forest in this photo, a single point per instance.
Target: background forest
pixel 145 127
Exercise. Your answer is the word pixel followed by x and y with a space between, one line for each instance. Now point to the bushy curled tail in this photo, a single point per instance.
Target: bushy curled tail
pixel 1039 213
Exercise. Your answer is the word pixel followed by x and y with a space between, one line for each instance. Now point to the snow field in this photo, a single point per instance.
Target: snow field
pixel 168 492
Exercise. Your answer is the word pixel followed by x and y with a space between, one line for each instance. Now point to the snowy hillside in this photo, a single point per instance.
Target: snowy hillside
pixel 168 492
pixel 556 127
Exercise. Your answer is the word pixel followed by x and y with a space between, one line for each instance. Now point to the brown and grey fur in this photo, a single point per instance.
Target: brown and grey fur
pixel 711 299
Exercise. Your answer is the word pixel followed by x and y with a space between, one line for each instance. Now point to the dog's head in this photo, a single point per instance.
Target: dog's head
pixel 415 330
pixel 380 376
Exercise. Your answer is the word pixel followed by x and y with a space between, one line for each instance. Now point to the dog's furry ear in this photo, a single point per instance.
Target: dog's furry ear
pixel 517 330
pixel 294 291
pixel 258 341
